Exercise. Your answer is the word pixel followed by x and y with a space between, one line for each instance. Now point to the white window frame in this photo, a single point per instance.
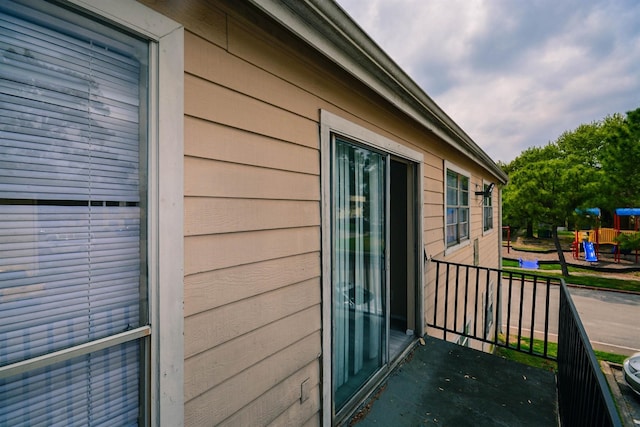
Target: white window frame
pixel 333 124
pixel 165 210
pixel 460 171
pixel 485 184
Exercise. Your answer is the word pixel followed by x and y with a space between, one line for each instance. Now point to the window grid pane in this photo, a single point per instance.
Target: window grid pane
pixel 457 220
pixel 487 211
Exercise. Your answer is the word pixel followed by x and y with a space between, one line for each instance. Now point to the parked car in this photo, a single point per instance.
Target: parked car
pixel 632 372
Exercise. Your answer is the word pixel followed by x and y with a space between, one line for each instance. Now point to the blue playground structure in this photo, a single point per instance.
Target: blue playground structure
pixel 523 263
pixel 589 237
pixel 590 252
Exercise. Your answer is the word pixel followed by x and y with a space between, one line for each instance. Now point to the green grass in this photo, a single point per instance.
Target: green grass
pixel 527 359
pixel 512 263
pixel 552 350
pixel 609 357
pixel 586 278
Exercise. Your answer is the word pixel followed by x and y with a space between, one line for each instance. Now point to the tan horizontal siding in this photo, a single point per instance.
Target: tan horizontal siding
pixel 206 330
pixel 434 212
pixel 313 422
pixel 211 178
pixel 433 185
pixel 281 400
pixel 214 141
pixel 434 236
pixel 203 18
pixel 294 69
pixel 489 250
pixel 222 402
pixel 252 211
pixel 298 414
pixel 243 112
pixel 214 64
pixel 214 215
pixel 206 370
pixel 211 289
pixel 206 253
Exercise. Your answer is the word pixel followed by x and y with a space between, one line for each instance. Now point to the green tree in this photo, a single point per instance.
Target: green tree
pixel 548 190
pixel 594 165
pixel 620 157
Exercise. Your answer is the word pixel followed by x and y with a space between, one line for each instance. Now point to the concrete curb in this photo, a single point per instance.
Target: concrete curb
pixel 621 404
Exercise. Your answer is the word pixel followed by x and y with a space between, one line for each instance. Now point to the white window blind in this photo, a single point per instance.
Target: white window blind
pixel 72 200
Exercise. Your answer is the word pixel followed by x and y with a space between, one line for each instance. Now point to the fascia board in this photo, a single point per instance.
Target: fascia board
pixel 328 29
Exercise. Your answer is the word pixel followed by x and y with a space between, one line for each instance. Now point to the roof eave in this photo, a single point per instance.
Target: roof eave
pixel 329 29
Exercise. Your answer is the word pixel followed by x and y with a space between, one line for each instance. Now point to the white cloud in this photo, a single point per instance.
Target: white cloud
pixel 513 74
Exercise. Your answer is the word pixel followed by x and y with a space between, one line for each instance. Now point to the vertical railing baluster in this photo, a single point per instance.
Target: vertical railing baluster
pixel 534 292
pixel 509 309
pixel 475 305
pixel 520 312
pixel 446 301
pixel 455 307
pixel 435 304
pixel 583 397
pixel 486 305
pixel 546 319
pixel 466 298
pixel 496 330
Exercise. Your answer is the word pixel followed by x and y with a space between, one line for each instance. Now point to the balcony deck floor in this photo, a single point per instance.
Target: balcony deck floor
pixel 445 384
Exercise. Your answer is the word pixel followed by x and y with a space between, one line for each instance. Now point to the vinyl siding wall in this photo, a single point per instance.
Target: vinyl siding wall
pixel 252 211
pixel 252 241
pixel 488 255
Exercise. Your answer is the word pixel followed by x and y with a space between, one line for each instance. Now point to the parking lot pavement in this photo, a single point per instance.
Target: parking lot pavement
pixel 628 401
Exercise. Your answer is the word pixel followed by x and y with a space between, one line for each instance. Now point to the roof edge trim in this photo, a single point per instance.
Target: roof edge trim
pixel 326 27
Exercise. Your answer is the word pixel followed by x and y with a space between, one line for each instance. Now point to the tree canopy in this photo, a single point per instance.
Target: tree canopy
pixel 594 165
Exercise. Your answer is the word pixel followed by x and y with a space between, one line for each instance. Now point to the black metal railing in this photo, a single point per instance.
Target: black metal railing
pixel 583 394
pixel 504 309
pixel 529 313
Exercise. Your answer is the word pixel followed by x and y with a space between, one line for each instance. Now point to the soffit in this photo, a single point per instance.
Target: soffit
pixel 329 30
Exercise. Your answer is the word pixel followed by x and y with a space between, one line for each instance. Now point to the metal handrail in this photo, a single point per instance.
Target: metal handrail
pixel 516 308
pixel 583 394
pixel 480 288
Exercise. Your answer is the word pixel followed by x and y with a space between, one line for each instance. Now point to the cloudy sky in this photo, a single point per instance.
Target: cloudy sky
pixel 513 74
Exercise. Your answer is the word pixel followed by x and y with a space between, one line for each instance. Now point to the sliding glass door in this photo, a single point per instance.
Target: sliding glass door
pixel 359 284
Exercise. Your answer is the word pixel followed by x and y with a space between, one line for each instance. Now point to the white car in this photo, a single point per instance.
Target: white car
pixel 631 367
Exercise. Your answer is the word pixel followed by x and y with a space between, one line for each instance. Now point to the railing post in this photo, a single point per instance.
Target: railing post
pixel 534 295
pixel 583 395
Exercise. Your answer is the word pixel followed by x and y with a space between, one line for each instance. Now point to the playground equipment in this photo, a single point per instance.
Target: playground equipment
pixel 590 252
pixel 621 212
pixel 590 244
pixel 590 239
pixel 532 264
pixel 508 230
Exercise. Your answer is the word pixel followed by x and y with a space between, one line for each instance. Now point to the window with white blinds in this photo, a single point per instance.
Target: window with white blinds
pixel 72 217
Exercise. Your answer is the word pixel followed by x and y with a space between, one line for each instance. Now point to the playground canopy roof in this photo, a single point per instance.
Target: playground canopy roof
pixel 627 211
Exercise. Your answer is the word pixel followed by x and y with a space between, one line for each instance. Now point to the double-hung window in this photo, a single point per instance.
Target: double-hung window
pixel 78 227
pixel 457 210
pixel 487 209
